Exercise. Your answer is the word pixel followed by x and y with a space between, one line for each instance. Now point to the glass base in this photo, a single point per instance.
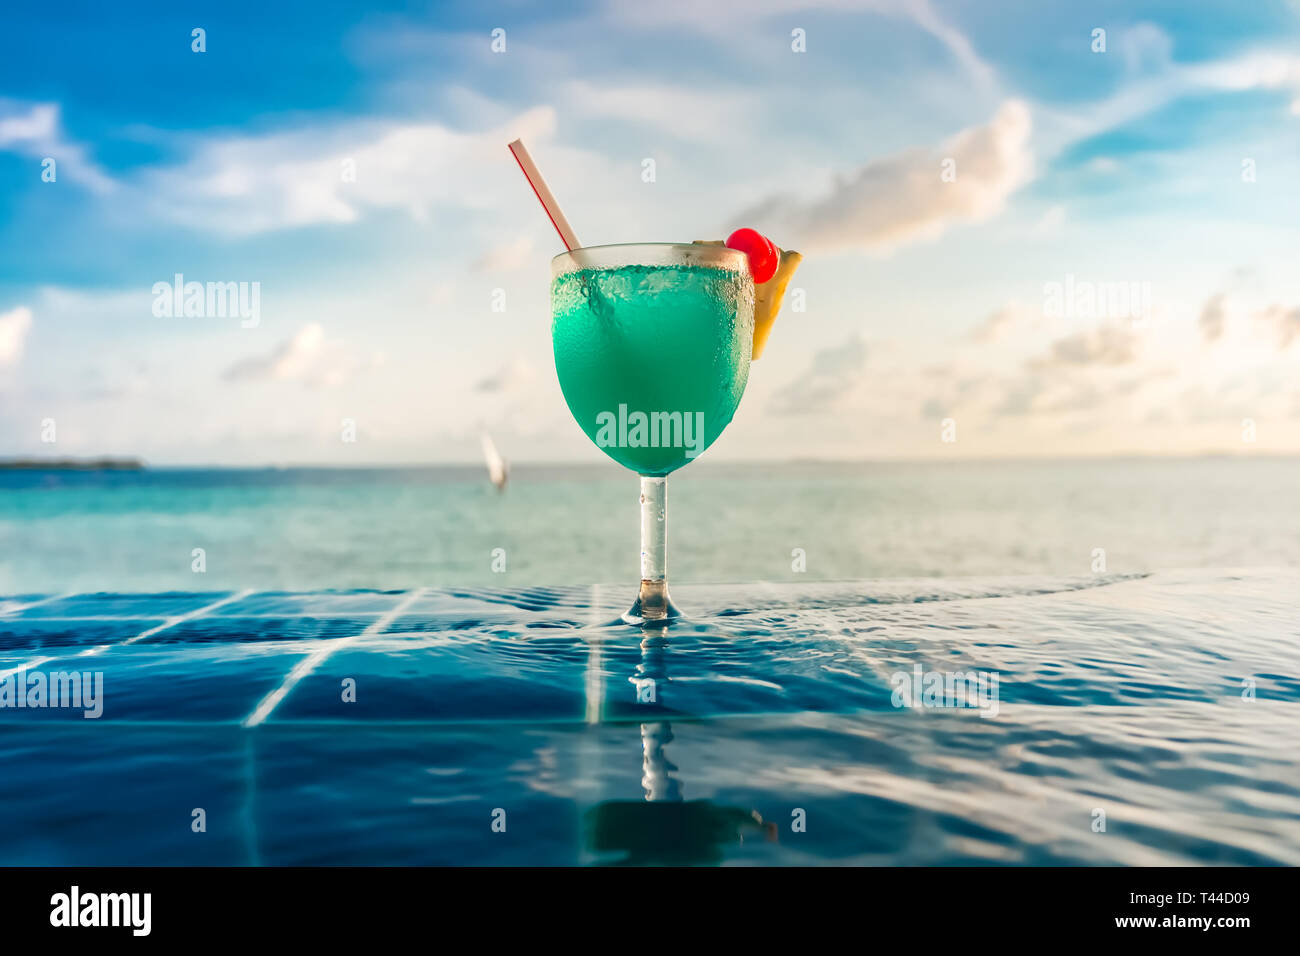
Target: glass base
pixel 654 606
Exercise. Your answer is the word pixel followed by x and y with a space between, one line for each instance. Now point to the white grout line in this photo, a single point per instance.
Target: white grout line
pixel 26 666
pixel 241 617
pixel 18 608
pixel 170 622
pixel 318 657
pixel 589 754
pixel 594 683
pixel 173 622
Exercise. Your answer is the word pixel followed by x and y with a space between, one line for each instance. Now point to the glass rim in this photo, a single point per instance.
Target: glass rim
pixel 619 254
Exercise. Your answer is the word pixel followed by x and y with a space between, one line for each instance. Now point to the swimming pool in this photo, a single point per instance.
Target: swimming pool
pixel 1142 719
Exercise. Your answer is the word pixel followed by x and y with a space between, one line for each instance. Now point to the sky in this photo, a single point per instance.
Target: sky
pixel 1022 236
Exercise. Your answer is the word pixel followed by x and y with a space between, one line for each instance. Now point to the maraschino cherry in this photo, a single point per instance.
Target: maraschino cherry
pixel 760 250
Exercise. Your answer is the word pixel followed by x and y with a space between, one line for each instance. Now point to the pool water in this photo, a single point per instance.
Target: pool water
pixel 1137 719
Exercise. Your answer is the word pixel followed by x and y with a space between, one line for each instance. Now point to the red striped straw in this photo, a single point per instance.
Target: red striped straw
pixel 544 196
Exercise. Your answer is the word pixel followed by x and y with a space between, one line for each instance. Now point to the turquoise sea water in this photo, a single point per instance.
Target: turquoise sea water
pixel 350 682
pixel 306 529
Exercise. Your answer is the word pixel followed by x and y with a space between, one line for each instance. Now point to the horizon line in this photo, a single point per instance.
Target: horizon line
pixel 108 461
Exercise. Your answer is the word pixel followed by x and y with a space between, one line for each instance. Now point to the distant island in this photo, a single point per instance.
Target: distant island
pixel 71 464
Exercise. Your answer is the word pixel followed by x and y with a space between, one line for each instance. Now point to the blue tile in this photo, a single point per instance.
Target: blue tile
pixel 192 683
pixel 509 601
pixel 124 798
pixel 417 681
pixel 45 635
pixel 241 630
pixel 496 624
pixel 321 603
pixel 171 604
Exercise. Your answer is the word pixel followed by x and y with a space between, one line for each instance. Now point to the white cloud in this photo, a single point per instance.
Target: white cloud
pixel 923 14
pixel 728 21
pixel 14 326
pixel 1001 323
pixel 39 126
pixel 35 129
pixel 1284 323
pixel 510 377
pixel 1259 70
pixel 902 197
pixel 1144 47
pixel 254 184
pixel 703 115
pixel 831 376
pixel 309 357
pixel 1108 345
pixel 1160 80
pixel 1212 317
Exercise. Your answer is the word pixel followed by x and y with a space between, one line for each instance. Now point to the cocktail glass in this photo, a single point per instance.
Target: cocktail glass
pixel 652 348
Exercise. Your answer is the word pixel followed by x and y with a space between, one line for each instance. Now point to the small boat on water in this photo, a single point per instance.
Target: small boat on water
pixel 498 469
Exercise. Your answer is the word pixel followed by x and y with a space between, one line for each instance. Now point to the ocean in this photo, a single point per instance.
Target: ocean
pixel 304 529
pixel 1066 663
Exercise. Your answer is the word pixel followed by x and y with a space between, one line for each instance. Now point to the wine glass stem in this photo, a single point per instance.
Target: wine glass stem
pixel 654 548
pixel 654 529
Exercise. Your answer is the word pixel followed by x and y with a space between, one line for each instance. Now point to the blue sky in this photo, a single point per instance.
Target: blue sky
pixel 1167 162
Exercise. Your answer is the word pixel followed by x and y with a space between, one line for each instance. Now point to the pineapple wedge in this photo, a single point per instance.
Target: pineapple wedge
pixel 767 295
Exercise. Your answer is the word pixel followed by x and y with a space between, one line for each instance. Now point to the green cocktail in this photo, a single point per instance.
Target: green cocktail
pixel 652 348
pixel 652 359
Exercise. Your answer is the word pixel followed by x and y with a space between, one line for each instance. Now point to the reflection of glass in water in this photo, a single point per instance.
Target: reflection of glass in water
pixel 655 767
pixel 664 828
